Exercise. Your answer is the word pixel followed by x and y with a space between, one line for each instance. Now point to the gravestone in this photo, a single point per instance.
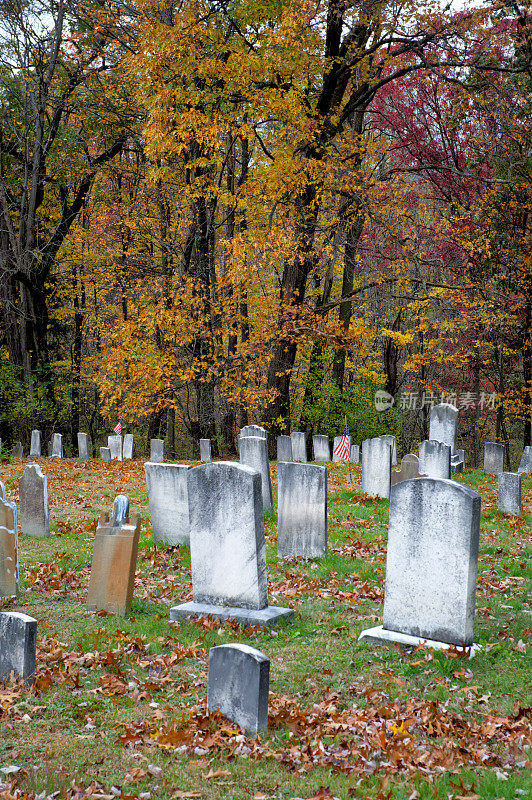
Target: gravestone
pixel 354 454
pixel 127 451
pixel 157 451
pixel 322 448
pixel 443 424
pixel 9 568
pixel 284 448
pixel 168 499
pixel 431 565
pixel 238 685
pixel 114 560
pixel 302 510
pixel 493 458
pixel 18 450
pixel 525 464
pixel 57 445
pixel 299 447
pixel 510 493
pixel 392 441
pixel 409 469
pixel 35 446
pixel 458 461
pixel 114 443
pixel 205 450
pixel 435 459
pixel 254 454
pixel 18 645
pixel 49 448
pixel 227 546
pixel 335 457
pixel 105 454
pixel 376 467
pixel 33 502
pixel 83 446
pixel 253 430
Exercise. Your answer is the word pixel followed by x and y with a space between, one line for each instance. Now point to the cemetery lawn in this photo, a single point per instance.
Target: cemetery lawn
pixel 118 708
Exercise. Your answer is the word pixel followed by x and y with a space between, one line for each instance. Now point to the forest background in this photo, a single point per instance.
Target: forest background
pixel 215 213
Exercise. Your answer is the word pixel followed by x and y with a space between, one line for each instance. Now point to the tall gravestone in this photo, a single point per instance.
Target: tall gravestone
pixel 409 469
pixel 525 464
pixel 157 451
pixel 493 458
pixel 57 445
pixel 376 467
pixel 322 448
pixel 253 430
pixel 105 454
pixel 443 424
pixel 435 459
pixel 431 565
pixel 33 502
pixel 127 450
pixel 254 454
pixel 354 454
pixel 35 446
pixel 168 499
pixel 114 443
pixel 302 510
pixel 336 458
pixel 9 568
pixel 227 546
pixel 205 450
pixel 299 447
pixel 510 493
pixel 392 441
pixel 238 686
pixel 83 446
pixel 18 645
pixel 284 448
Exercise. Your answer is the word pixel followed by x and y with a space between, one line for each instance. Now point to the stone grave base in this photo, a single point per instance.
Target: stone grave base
pixel 245 616
pixel 380 635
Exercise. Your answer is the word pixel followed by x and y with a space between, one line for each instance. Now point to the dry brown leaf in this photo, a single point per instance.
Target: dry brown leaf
pixel 217 773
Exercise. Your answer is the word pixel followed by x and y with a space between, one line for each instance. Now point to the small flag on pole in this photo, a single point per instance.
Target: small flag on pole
pixel 118 427
pixel 342 448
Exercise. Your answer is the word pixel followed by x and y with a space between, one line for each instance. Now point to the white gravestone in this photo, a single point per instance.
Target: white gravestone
pixel 35 446
pixel 322 448
pixel 168 499
pixel 376 467
pixel 83 446
pixel 205 450
pixel 254 454
pixel 18 645
pixel 337 458
pixel 157 451
pixel 435 459
pixel 33 500
pixel 443 424
pixel 127 450
pixel 302 510
pixel 284 448
pixel 57 446
pixel 354 454
pixel 253 430
pixel 9 568
pixel 238 685
pixel 299 447
pixel 510 493
pixel 392 441
pixel 525 465
pixel 114 443
pixel 493 458
pixel 105 454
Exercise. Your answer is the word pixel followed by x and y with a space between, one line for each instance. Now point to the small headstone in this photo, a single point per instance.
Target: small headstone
pixel 443 424
pixel 238 687
pixel 35 447
pixel 458 461
pixel 435 459
pixel 335 457
pixel 205 450
pixel 57 445
pixel 9 569
pixel 284 448
pixel 376 467
pixel 33 502
pixel 18 450
pixel 114 443
pixel 83 446
pixel 302 510
pixel 157 451
pixel 18 645
pixel 254 454
pixel 510 493
pixel 49 448
pixel 409 469
pixel 299 447
pixel 392 441
pixel 168 499
pixel 127 451
pixel 105 454
pixel 354 454
pixel 493 458
pixel 253 430
pixel 525 465
pixel 322 448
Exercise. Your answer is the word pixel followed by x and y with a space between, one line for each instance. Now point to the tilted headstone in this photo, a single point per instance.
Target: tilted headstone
pixel 409 469
pixel 18 450
pixel 35 446
pixel 431 564
pixel 168 499
pixel 83 446
pixel 493 458
pixel 127 450
pixel 376 467
pixel 435 459
pixel 114 443
pixel 336 458
pixel 510 493
pixel 254 454
pixel 443 424
pixel 299 447
pixel 105 453
pixel 253 430
pixel 239 684
pixel 33 502
pixel 18 645
pixel 114 560
pixel 284 448
pixel 205 450
pixel 392 441
pixel 57 445
pixel 354 454
pixel 227 546
pixel 157 451
pixel 302 510
pixel 9 568
pixel 322 448
pixel 525 464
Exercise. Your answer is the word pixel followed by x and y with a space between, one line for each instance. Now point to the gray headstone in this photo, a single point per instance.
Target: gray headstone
pixel 49 448
pixel 157 451
pixel 168 499
pixel 284 448
pixel 35 447
pixel 254 454
pixel 18 450
pixel 114 443
pixel 205 450
pixel 238 687
pixel 409 469
pixel 83 446
pixel 33 502
pixel 376 467
pixel 458 461
pixel 2 491
pixel 299 447
pixel 253 430
pixel 443 424
pixel 354 454
pixel 302 510
pixel 335 457
pixel 105 454
pixel 322 448
pixel 525 465
pixel 18 645
pixel 392 441
pixel 493 458
pixel 57 445
pixel 9 568
pixel 127 450
pixel 120 512
pixel 510 493
pixel 435 459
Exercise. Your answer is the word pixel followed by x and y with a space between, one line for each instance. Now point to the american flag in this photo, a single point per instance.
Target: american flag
pixel 118 427
pixel 342 448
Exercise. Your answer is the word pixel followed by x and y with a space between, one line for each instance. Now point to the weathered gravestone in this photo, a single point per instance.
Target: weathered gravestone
pixel 253 430
pixel 254 454
pixel 510 493
pixel 114 560
pixel 443 424
pixel 458 461
pixel 168 499
pixel 157 451
pixel 114 443
pixel 284 448
pixel 239 683
pixel 392 441
pixel 127 450
pixel 354 454
pixel 431 565
pixel 49 448
pixel 322 448
pixel 435 459
pixel 376 467
pixel 57 445
pixel 302 510
pixel 336 458
pixel 299 447
pixel 409 469
pixel 33 502
pixel 9 570
pixel 18 450
pixel 525 465
pixel 105 453
pixel 227 547
pixel 35 446
pixel 18 645
pixel 83 446
pixel 493 458
pixel 205 450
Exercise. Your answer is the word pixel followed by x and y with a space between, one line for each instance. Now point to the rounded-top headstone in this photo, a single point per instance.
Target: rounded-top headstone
pixel 238 687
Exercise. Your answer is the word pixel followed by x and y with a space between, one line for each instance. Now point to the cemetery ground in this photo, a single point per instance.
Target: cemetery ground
pixel 118 708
